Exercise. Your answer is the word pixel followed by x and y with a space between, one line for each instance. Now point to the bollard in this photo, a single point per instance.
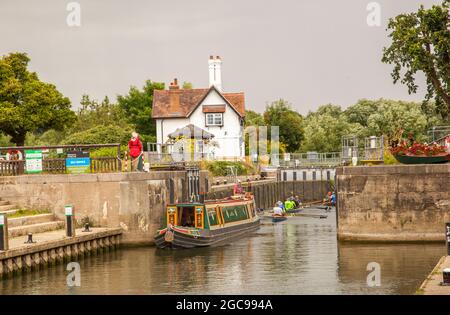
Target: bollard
pixel 70 224
pixel 86 227
pixel 3 232
pixel 447 237
pixel 29 239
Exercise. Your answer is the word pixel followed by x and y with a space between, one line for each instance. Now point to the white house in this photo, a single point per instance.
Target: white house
pixel 212 111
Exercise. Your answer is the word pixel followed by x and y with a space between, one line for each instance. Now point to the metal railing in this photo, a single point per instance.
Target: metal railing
pixel 53 163
pixel 307 159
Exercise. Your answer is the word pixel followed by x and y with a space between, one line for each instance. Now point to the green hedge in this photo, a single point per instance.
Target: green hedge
pixel 220 168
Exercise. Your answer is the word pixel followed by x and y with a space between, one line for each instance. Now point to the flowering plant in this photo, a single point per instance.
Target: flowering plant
pixel 417 149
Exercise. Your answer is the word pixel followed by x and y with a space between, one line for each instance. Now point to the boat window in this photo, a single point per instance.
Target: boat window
pixel 234 213
pixel 212 216
pixel 186 216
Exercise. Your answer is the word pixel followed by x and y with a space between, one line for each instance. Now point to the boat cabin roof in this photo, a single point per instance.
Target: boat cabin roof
pixel 208 202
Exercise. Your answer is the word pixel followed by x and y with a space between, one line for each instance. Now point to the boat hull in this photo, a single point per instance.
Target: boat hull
pixel 406 159
pixel 206 238
pixel 278 218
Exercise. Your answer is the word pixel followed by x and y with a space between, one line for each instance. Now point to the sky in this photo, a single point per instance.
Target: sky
pixel 308 52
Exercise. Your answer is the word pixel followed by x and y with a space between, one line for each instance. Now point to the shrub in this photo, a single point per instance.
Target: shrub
pixel 220 168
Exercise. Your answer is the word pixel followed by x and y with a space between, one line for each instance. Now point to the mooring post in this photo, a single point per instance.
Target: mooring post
pixel 70 221
pixel 3 232
pixel 447 237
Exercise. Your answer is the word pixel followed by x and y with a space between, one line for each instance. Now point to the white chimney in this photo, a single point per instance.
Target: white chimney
pixel 215 72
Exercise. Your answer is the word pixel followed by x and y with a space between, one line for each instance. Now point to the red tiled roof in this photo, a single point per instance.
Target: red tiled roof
pixel 181 103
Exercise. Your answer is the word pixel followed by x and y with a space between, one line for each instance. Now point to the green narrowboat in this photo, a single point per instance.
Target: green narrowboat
pixel 212 223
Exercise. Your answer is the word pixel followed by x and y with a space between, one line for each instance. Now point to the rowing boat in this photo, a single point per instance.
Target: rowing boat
pixel 278 218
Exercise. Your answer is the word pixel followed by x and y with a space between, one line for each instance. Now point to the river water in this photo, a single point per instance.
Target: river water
pixel 297 256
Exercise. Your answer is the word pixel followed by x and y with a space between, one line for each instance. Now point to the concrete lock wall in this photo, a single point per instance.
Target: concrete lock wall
pixel 133 201
pixel 393 203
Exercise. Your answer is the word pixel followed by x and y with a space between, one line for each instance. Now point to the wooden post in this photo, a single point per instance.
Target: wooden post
pixel 118 159
pixel 3 232
pixel 70 221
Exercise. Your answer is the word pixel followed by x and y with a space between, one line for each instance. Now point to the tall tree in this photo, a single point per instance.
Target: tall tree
pixel 28 104
pixel 421 42
pixel 137 105
pixel 253 118
pixel 325 128
pixel 281 114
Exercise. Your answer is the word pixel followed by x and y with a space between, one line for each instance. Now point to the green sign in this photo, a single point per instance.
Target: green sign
pixel 33 161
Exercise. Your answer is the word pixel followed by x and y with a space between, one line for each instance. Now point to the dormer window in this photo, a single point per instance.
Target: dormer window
pixel 214 119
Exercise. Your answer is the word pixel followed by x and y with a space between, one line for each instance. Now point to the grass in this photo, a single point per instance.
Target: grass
pixel 26 212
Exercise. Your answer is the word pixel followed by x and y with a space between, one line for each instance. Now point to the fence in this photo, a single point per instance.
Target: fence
pixel 52 163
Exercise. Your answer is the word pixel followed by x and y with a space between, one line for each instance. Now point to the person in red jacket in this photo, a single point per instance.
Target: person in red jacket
pixel 135 147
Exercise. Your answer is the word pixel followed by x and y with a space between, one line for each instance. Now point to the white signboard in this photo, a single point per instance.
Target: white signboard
pixel 33 161
pixel 2 219
pixel 68 210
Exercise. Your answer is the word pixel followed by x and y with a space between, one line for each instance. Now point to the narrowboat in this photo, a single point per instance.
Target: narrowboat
pixel 212 223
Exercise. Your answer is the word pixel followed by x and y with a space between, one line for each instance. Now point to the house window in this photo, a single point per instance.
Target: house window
pixel 214 119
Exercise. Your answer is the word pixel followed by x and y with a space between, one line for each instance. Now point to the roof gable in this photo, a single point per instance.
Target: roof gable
pixel 181 103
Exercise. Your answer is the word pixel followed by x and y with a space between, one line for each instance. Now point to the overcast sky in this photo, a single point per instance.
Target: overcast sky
pixel 309 52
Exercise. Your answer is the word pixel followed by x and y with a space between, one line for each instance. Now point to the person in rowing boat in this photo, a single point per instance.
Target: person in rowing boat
pixel 297 201
pixel 289 204
pixel 280 205
pixel 333 199
pixel 277 211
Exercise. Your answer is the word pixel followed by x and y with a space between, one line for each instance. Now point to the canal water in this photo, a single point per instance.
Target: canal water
pixel 297 256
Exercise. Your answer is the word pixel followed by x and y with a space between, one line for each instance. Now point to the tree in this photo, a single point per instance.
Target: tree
pixel 187 85
pixel 137 106
pixel 253 118
pixel 100 134
pixel 280 113
pixel 392 116
pixel 325 128
pixel 361 111
pixel 28 104
pixel 421 42
pixel 93 113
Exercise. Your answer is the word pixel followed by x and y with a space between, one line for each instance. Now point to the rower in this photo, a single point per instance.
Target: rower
pixel 298 202
pixel 277 211
pixel 333 199
pixel 289 205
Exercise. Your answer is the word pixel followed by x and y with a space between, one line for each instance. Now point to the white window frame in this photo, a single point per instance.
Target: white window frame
pixel 214 118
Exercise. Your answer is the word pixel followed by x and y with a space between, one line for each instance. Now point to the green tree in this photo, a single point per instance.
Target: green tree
pixel 392 116
pixel 253 118
pixel 100 134
pixel 421 42
pixel 93 113
pixel 28 104
pixel 137 106
pixel 325 128
pixel 187 85
pixel 280 113
pixel 361 111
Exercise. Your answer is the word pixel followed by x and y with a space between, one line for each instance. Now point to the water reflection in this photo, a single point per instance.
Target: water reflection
pixel 298 256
